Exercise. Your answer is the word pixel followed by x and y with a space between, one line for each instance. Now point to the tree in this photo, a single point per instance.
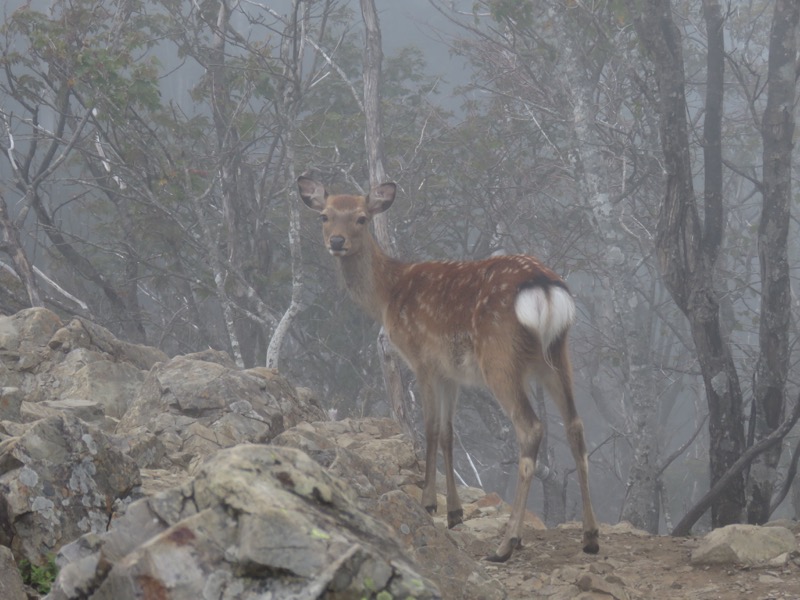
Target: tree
pixel 373 57
pixel 689 240
pixel 777 129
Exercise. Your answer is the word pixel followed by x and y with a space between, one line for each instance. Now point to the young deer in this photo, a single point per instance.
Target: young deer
pixel 494 322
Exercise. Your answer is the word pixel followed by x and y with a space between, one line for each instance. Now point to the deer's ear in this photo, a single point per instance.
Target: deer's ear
pixel 381 198
pixel 312 193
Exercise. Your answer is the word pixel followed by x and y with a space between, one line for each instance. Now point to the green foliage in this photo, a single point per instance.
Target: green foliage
pixel 519 11
pixel 86 50
pixel 40 578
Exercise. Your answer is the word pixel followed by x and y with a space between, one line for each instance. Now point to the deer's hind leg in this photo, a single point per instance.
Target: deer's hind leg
pixel 557 379
pixel 509 388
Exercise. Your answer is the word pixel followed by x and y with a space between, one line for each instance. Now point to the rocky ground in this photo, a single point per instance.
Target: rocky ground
pixel 632 565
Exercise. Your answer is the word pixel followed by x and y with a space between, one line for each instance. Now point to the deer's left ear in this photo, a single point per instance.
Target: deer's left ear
pixel 381 198
pixel 312 193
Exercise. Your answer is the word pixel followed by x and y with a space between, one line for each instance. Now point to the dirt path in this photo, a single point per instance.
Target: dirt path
pixel 631 565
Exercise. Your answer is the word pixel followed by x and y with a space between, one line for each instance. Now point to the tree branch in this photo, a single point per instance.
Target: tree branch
pixel 684 527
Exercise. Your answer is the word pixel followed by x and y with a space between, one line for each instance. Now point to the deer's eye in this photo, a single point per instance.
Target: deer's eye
pixel 361 220
pixel 324 218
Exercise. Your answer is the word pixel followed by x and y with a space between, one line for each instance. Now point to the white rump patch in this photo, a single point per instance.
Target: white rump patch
pixel 546 311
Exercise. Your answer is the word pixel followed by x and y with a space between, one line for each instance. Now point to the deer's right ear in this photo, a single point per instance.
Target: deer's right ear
pixel 312 193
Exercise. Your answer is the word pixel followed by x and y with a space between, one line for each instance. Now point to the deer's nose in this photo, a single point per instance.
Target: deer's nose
pixel 336 243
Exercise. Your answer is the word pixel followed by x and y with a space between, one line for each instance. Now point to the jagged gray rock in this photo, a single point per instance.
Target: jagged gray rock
pixel 196 407
pixel 377 459
pixel 256 521
pixel 59 480
pixel 372 454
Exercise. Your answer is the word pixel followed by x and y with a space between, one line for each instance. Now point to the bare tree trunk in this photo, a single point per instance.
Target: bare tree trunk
pixel 293 50
pixel 777 128
pixel 373 56
pixel 687 248
pixel 10 244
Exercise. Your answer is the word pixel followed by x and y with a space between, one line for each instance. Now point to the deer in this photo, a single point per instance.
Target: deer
pixel 496 323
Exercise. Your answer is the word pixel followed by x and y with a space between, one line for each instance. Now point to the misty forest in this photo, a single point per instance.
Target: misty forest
pixel 642 149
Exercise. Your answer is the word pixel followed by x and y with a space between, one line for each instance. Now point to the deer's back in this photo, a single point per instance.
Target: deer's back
pixel 448 315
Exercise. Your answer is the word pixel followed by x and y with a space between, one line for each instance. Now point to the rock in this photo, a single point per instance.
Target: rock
pixel 58 480
pixel 371 454
pixel 80 333
pixel 10 403
pixel 113 386
pixel 458 576
pixel 256 522
pixel 28 330
pixel 11 584
pixel 376 458
pixel 85 410
pixel 23 344
pixel 197 407
pixel 744 544
pixel 50 361
pixel 604 586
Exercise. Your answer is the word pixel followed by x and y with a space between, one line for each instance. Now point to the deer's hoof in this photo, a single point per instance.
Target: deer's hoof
pixel 591 544
pixel 502 555
pixel 455 517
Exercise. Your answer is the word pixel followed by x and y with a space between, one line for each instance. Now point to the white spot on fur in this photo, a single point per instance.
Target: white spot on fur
pixel 547 312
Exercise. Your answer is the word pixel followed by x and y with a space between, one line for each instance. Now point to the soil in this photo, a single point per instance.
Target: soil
pixel 631 565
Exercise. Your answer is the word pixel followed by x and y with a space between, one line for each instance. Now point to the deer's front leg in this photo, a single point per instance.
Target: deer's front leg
pixel 431 415
pixel 447 400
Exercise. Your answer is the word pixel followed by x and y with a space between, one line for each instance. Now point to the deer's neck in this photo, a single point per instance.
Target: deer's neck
pixel 369 277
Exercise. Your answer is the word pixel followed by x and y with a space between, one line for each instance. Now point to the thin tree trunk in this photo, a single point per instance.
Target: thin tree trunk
pixel 373 56
pixel 10 244
pixel 293 53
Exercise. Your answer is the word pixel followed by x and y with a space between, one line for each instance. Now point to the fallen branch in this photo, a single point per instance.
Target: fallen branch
pixel 684 527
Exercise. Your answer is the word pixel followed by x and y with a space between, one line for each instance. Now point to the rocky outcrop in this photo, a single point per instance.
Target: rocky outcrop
pixel 148 475
pixel 79 367
pixel 256 521
pixel 377 460
pixel 198 404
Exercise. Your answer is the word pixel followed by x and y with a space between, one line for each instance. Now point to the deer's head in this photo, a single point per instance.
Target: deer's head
pixel 345 218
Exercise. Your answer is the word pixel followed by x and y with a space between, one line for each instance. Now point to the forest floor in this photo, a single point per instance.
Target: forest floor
pixel 631 565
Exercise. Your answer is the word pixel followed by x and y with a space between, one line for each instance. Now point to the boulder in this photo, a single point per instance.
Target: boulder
pixel 458 576
pixel 23 343
pixel 58 480
pixel 80 361
pixel 111 385
pixel 196 407
pixel 80 333
pixel 749 545
pixel 11 584
pixel 376 458
pixel 371 454
pixel 255 522
pixel 28 330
